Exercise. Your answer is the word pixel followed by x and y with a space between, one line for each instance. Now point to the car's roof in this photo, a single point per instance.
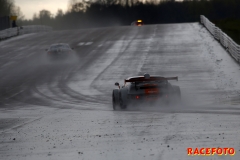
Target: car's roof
pixel 59 44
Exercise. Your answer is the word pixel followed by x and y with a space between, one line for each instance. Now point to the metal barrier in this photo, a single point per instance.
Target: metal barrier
pixel 4 22
pixel 34 29
pixel 11 32
pixel 232 47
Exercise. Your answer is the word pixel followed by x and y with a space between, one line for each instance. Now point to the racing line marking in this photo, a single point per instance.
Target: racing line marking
pixel 15 94
pixel 88 43
pixel 81 43
pixel 84 43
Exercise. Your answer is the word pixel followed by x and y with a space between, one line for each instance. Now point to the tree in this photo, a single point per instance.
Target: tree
pixel 45 14
pixel 6 7
pixel 44 17
pixel 59 13
pixel 17 11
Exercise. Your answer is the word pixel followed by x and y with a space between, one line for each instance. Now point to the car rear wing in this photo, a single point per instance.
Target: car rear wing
pixel 143 79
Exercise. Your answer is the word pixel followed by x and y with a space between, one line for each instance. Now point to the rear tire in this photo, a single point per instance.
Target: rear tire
pixel 115 99
pixel 122 105
pixel 113 102
pixel 177 95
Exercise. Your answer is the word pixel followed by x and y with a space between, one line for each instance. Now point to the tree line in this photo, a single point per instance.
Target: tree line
pixel 102 13
pixel 8 8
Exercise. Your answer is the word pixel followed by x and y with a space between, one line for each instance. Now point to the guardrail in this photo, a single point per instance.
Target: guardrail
pixel 11 32
pixel 232 47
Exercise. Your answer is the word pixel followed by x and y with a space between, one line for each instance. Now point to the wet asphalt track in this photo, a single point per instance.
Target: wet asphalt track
pixel 62 110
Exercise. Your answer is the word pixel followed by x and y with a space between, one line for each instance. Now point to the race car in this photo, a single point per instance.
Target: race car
pixel 145 88
pixel 137 23
pixel 59 50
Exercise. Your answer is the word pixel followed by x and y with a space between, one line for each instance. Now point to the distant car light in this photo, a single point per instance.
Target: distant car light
pixel 137 97
pixel 139 21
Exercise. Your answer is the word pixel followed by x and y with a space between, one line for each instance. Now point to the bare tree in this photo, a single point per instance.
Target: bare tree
pixel 78 5
pixel 17 11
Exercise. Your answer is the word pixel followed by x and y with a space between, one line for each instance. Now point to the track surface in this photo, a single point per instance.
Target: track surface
pixel 62 110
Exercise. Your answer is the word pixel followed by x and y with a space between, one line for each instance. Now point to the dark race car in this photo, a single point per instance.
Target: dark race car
pixel 59 51
pixel 139 89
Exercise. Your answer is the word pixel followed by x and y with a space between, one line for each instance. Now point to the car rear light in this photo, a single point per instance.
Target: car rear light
pixel 137 97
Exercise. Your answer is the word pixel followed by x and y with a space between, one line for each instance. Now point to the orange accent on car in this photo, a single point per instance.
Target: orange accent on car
pixel 151 90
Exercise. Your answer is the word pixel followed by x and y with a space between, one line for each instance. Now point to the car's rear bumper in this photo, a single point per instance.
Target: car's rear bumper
pixel 148 99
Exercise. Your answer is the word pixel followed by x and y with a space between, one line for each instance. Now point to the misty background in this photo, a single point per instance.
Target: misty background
pixel 103 13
